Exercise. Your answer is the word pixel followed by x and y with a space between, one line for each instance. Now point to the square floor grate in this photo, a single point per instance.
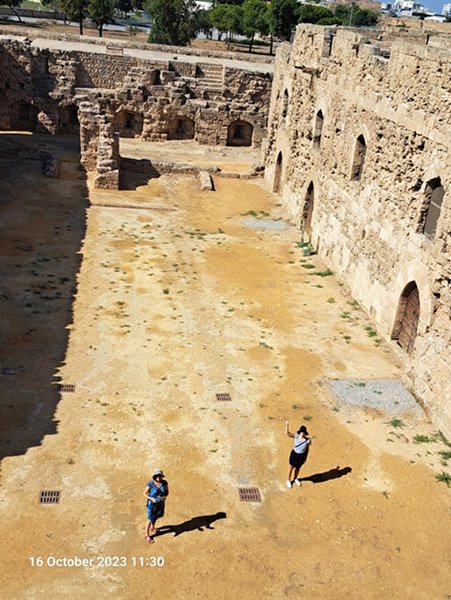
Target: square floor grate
pixel 8 371
pixel 223 397
pixel 66 387
pixel 251 494
pixel 49 497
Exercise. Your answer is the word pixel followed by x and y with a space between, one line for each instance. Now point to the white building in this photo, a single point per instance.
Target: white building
pixel 446 10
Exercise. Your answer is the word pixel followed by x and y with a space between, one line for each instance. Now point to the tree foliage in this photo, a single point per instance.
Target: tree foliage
pixel 255 19
pixel 76 10
pixel 101 12
pixel 312 13
pixel 227 19
pixel 283 18
pixel 173 21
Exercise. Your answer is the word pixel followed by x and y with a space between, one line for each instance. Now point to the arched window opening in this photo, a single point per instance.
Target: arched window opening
pixel 181 128
pixel 285 102
pixel 308 211
pixel 359 158
pixel 23 116
pixel 69 119
pixel 278 174
pixel 156 77
pixel 434 193
pixel 318 130
pixel 407 317
pixel 129 124
pixel 239 133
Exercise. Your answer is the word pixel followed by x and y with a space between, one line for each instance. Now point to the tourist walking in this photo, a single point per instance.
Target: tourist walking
pixel 299 454
pixel 156 493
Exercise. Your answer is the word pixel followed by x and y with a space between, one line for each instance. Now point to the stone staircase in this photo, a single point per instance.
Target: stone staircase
pixel 210 76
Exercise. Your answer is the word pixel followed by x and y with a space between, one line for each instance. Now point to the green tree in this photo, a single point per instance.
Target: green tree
pixel 12 4
pixel 76 10
pixel 283 18
pixel 354 15
pixel 227 19
pixel 203 22
pixel 101 12
pixel 312 13
pixel 173 21
pixel 255 19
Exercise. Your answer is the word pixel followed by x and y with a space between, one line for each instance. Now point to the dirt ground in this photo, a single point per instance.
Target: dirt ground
pixel 151 311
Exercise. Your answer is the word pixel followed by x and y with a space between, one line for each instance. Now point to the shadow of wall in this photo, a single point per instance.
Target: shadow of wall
pixel 42 224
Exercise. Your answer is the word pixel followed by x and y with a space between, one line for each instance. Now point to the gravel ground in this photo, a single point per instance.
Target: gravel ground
pixel 390 395
pixel 264 224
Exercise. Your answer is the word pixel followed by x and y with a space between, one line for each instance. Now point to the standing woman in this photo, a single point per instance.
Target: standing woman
pixel 299 453
pixel 156 493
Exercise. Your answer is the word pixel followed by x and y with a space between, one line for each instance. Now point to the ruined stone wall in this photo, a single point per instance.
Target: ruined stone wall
pixel 370 229
pixel 44 89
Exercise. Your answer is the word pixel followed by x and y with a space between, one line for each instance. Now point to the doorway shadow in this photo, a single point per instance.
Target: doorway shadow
pixel 335 473
pixel 199 523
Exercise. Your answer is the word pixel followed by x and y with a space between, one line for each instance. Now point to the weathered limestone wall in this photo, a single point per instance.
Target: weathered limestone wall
pixel 370 229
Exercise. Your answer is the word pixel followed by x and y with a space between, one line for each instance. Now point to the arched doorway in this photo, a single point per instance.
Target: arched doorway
pixel 23 116
pixel 239 133
pixel 278 174
pixel 407 317
pixel 181 128
pixel 129 123
pixel 308 210
pixel 69 119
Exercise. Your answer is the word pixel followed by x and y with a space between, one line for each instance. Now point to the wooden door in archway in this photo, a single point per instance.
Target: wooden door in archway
pixel 409 314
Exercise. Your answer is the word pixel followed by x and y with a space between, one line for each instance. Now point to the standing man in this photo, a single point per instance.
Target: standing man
pixel 299 454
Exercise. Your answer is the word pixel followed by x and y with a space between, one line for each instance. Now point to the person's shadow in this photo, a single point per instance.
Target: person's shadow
pixel 327 475
pixel 198 523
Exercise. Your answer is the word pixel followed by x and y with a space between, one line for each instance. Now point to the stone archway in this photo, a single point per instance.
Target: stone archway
pixel 407 317
pixel 308 210
pixel 68 119
pixel 278 174
pixel 239 133
pixel 23 116
pixel 181 128
pixel 129 124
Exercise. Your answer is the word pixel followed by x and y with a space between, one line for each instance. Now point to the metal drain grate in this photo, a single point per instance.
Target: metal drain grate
pixel 49 497
pixel 251 494
pixel 66 387
pixel 223 397
pixel 8 371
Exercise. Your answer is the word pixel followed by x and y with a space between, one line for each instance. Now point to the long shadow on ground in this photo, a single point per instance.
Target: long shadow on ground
pixel 327 475
pixel 199 523
pixel 42 223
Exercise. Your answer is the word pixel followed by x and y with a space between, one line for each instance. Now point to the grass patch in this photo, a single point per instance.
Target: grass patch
pixel 444 478
pixel 307 418
pixel 308 266
pixel 331 300
pixel 370 332
pixel 166 291
pixel 326 273
pixel 397 423
pixel 347 339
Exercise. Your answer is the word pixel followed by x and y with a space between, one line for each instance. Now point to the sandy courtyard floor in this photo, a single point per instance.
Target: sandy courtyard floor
pixel 150 312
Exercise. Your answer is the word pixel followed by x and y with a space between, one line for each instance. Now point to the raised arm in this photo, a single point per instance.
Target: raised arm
pixel 289 434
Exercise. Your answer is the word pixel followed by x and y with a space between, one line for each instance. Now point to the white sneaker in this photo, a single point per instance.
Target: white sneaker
pixel 289 484
pixel 297 482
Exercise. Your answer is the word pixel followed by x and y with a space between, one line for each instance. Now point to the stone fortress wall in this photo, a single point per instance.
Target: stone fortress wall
pixel 96 90
pixel 359 149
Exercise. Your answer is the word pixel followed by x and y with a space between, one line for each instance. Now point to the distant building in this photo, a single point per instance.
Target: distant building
pixel 446 10
pixel 406 8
